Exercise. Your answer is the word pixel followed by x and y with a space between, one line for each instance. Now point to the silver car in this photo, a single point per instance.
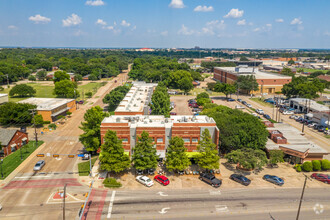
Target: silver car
pixel 39 165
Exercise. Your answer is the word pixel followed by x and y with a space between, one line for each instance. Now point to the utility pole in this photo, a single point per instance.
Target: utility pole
pixel 64 192
pixel 35 128
pixel 301 197
pixel 303 127
pixel 90 165
pixel 273 108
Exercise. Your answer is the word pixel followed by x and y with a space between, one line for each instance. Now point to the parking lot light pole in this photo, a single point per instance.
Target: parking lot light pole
pixel 1 168
pixel 90 165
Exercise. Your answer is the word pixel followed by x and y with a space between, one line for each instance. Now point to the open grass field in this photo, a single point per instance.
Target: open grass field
pixel 311 70
pixel 46 90
pixel 11 162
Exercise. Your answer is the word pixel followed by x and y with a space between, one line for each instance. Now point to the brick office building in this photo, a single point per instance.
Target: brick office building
pixel 161 130
pixel 12 140
pixel 268 82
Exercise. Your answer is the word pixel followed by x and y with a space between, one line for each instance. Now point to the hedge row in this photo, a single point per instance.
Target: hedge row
pixel 315 165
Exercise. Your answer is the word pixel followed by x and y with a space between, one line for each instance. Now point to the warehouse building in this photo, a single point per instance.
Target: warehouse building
pixel 136 101
pixel 51 108
pixel 3 98
pixel 269 83
pixel 160 129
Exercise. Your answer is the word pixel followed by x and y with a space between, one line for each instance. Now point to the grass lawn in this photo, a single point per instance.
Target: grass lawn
pixel 90 87
pixel 11 162
pixel 261 101
pixel 83 167
pixel 196 91
pixel 311 70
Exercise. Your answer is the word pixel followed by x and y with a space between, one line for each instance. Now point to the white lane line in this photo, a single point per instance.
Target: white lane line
pixel 221 208
pixel 111 203
pixel 28 177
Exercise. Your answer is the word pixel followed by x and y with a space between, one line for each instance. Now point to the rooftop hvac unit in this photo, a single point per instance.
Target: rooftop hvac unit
pixel 166 120
pixel 117 119
pixel 145 122
pixel 150 120
pixel 135 105
pixel 185 119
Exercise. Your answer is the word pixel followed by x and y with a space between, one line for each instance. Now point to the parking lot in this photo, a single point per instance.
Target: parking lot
pixel 181 104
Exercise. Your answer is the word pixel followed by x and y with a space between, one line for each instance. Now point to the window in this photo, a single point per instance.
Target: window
pixel 186 140
pixel 13 149
pixel 194 140
pixel 125 140
pixel 159 140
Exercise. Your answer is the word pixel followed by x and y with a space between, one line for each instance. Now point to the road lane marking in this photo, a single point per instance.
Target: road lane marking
pixel 221 208
pixel 215 192
pixel 164 210
pixel 111 204
pixel 162 194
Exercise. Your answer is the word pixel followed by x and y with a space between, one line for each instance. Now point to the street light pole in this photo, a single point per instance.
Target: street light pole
pixel 90 165
pixel 1 168
pixel 301 198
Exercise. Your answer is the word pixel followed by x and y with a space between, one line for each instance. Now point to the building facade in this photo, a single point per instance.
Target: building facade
pixel 268 82
pixel 12 140
pixel 51 108
pixel 3 98
pixel 160 129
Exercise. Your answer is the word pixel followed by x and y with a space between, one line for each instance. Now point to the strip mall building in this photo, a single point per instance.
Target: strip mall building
pixel 268 82
pixel 131 119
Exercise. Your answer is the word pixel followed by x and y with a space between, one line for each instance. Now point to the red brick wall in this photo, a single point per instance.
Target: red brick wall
pixel 17 139
pixel 122 129
pixel 273 81
pixel 154 132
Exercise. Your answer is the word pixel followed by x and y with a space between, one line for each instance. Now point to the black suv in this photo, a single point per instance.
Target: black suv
pixel 210 179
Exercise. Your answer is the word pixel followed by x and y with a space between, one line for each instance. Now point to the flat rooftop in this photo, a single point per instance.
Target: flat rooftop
pixel 3 95
pixel 295 140
pixel 157 120
pixel 252 71
pixel 46 104
pixel 137 97
pixel 310 104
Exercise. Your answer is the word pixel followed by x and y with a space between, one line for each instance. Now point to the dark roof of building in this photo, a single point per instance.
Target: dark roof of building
pixel 6 135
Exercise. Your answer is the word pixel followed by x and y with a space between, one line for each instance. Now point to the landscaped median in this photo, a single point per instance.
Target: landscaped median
pixel 11 162
pixel 83 167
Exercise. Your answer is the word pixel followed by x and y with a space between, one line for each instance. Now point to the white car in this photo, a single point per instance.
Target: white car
pixel 311 125
pixel 249 105
pixel 145 181
pixel 239 107
pixel 260 111
pixel 254 114
pixel 287 113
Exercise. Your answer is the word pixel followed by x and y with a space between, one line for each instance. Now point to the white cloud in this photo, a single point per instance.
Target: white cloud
pixel 101 22
pixel 250 23
pixel 39 19
pixel 256 29
pixel 108 27
pixel 125 23
pixel 266 28
pixel 279 20
pixel 12 27
pixel 78 33
pixel 269 25
pixel 72 20
pixel 241 22
pixel 95 3
pixel 234 13
pixel 185 31
pixel 164 33
pixel 133 28
pixel 204 8
pixel 327 33
pixel 176 4
pixel 296 21
pixel 213 26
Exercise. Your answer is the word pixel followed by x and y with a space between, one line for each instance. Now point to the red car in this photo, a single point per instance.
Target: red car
pixel 172 113
pixel 162 180
pixel 321 177
pixel 193 105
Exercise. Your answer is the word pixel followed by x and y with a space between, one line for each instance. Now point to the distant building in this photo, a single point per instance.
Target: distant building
pixel 268 82
pixel 3 98
pixel 145 49
pixel 51 108
pixel 12 140
pixel 161 130
pixel 54 68
pixel 324 77
pixel 51 75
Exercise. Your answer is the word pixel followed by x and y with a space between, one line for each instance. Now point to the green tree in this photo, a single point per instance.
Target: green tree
pixel 66 89
pixel 185 84
pixel 247 83
pixel 38 120
pixel 22 90
pixel 89 94
pixel 302 87
pixel 203 95
pixel 203 101
pixel 61 75
pixel 112 156
pixel 248 158
pixel 316 165
pixel 144 153
pixel 291 62
pixel 12 113
pixel 32 78
pixel 92 77
pixel 225 88
pixel 243 59
pixel 176 158
pixel 276 156
pixel 307 166
pixel 325 164
pixel 77 77
pixel 160 101
pixel 41 75
pixel 91 138
pixel 207 158
pixel 115 96
pixel 287 71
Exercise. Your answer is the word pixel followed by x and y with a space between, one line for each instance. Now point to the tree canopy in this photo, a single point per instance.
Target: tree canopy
pixel 248 158
pixel 61 75
pixel 112 156
pixel 66 89
pixel 91 138
pixel 22 90
pixel 238 129
pixel 304 88
pixel 247 83
pixel 12 113
pixel 160 101
pixel 225 88
pixel 176 158
pixel 116 96
pixel 144 153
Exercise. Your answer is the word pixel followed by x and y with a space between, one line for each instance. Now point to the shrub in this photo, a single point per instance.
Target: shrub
pixel 89 94
pixel 298 168
pixel 52 126
pixel 307 166
pixel 1 88
pixel 316 165
pixel 32 78
pixel 325 164
pixel 111 183
pixel 46 122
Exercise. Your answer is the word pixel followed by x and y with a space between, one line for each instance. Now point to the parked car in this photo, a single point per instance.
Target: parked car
pixel 239 100
pixel 321 128
pixel 327 132
pixel 192 101
pixel 249 105
pixel 151 171
pixel 299 119
pixel 239 107
pixel 293 117
pixel 162 180
pixel 311 125
pixel 172 104
pixel 39 165
pixel 316 126
pixel 210 179
pixel 287 113
pixel 86 157
pixel 139 172
pixel 240 179
pixel 254 114
pixel 321 177
pixel 244 102
pixel 267 117
pixel 172 92
pixel 144 180
pixel 230 100
pixel 260 111
pixel 196 110
pixel 81 102
pixel 172 113
pixel 274 179
pixel 193 105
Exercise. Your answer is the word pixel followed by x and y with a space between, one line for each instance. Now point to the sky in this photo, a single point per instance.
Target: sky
pixel 165 23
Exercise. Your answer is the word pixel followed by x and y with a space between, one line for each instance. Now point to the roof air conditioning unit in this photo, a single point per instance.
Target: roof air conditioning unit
pixel 117 119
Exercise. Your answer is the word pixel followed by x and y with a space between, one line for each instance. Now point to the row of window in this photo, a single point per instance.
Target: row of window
pixel 160 140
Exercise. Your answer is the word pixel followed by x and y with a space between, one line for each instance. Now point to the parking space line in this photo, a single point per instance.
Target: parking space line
pixel 111 204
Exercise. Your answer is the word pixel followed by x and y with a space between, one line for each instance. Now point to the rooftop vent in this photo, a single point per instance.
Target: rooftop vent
pixel 145 122
pixel 118 119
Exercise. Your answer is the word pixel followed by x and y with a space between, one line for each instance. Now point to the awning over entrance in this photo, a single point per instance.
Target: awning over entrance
pixel 191 154
pixel 13 145
pixel 24 139
pixel 295 153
